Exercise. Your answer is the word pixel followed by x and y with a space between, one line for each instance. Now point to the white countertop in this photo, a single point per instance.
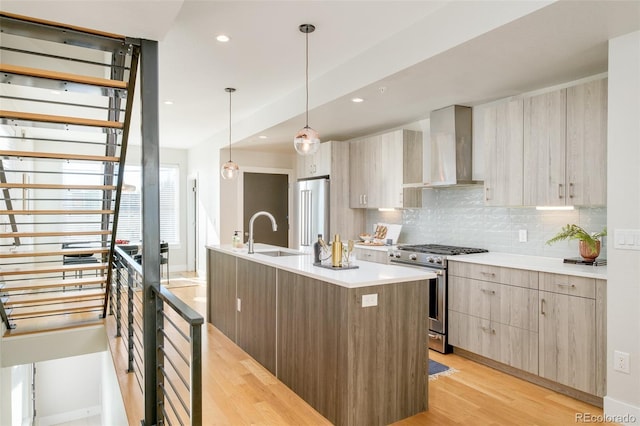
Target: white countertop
pixel 368 273
pixel 533 263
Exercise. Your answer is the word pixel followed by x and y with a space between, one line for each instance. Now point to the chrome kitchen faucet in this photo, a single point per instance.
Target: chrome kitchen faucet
pixel 253 218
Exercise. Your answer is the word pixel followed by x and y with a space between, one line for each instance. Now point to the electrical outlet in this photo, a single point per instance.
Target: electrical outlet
pixel 369 300
pixel 522 235
pixel 239 304
pixel 621 361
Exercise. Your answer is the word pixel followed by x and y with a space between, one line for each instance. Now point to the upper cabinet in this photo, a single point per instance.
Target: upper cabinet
pixel 587 143
pixel 380 165
pixel 565 146
pixel 503 129
pixel 318 164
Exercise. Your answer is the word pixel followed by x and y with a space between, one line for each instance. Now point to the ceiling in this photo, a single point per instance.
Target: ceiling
pixel 404 58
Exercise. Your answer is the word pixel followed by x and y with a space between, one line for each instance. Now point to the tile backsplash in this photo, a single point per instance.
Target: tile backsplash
pixel 458 216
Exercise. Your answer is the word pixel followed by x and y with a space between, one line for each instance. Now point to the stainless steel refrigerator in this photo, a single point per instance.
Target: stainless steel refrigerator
pixel 313 210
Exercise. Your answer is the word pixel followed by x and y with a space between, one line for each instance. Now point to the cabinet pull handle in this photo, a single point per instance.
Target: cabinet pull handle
pixel 487 291
pixel 365 199
pixel 542 302
pixel 435 336
pixel 571 190
pixel 488 274
pixel 560 194
pixel 488 330
pixel 566 285
pixel 486 194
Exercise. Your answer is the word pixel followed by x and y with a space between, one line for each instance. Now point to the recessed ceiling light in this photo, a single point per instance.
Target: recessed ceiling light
pixel 357 100
pixel 223 38
pixel 262 137
pixel 168 102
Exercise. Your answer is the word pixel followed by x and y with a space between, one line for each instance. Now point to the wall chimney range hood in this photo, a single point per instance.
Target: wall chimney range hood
pixel 451 147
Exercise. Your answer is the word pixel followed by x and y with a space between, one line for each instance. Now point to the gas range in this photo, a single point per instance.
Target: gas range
pixel 429 255
pixel 433 257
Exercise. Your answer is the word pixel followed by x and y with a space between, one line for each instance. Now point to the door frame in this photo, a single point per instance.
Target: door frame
pixel 266 170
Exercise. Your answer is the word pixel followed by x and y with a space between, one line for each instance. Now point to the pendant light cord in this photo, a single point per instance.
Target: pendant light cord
pixel 306 73
pixel 230 124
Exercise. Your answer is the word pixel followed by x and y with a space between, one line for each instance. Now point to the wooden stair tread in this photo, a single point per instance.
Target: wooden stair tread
pixel 55 186
pixel 61 252
pixel 45 284
pixel 53 234
pixel 50 269
pixel 53 324
pixel 35 314
pixel 59 156
pixel 63 26
pixel 63 76
pixel 26 300
pixel 58 119
pixel 53 212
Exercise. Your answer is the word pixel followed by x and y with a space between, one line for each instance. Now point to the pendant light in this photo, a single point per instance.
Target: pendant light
pixel 229 169
pixel 307 140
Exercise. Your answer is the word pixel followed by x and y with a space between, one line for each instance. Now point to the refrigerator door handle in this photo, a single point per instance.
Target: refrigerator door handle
pixel 305 208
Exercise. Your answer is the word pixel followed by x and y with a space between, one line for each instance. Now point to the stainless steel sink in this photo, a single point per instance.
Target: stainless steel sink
pixel 278 253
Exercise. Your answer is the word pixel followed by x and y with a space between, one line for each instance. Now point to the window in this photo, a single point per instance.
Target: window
pixel 130 217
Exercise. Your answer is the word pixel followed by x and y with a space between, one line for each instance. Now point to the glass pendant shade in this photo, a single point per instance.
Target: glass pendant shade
pixel 229 170
pixel 307 141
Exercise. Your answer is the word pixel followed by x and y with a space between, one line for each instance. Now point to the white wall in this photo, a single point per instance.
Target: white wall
pixel 623 188
pixel 204 160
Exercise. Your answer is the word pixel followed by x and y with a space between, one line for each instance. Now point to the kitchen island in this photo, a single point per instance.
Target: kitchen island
pixel 352 343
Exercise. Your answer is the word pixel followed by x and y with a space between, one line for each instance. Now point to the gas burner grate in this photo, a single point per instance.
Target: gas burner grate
pixel 441 249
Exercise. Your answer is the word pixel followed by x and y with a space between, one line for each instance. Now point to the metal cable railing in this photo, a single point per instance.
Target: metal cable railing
pixel 179 342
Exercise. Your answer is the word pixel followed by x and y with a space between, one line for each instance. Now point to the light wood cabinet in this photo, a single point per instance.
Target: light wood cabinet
pixel 343 220
pixel 317 164
pixel 377 169
pixel 495 320
pixel 587 143
pixel 504 139
pixel 572 331
pixel 256 318
pixel 545 149
pixel 565 146
pixel 378 256
pixel 551 325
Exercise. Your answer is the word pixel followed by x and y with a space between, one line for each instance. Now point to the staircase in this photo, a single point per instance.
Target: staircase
pixel 65 107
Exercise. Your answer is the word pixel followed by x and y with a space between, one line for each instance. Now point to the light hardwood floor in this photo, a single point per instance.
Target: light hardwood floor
pixel 239 391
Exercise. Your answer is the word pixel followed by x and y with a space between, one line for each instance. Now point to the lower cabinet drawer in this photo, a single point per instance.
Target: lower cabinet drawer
pixel 506 344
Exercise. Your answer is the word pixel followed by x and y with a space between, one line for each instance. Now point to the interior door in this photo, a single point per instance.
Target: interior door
pixel 267 192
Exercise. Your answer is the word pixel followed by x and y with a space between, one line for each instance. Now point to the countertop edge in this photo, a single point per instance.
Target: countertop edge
pixel 533 263
pixel 414 274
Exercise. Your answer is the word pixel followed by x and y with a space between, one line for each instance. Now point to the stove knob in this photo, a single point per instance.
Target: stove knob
pixel 391 254
pixel 413 257
pixel 439 260
pixel 431 259
pixel 397 255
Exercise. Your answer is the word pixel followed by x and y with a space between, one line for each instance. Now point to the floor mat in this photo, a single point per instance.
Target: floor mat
pixel 436 370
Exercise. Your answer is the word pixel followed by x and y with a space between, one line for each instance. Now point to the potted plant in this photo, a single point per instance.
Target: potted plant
pixel 588 243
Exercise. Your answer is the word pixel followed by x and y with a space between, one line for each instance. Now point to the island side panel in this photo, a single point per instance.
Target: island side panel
pixel 387 353
pixel 221 292
pixel 312 356
pixel 256 321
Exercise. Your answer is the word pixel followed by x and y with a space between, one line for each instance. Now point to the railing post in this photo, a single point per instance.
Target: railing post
pixel 118 288
pixel 150 221
pixel 130 313
pixel 196 375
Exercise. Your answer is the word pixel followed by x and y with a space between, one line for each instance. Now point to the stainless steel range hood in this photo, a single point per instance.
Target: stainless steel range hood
pixel 451 147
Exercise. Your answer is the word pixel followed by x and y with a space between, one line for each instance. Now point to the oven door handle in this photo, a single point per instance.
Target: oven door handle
pixel 435 336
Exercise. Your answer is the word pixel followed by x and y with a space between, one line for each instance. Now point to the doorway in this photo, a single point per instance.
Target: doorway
pixel 267 192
